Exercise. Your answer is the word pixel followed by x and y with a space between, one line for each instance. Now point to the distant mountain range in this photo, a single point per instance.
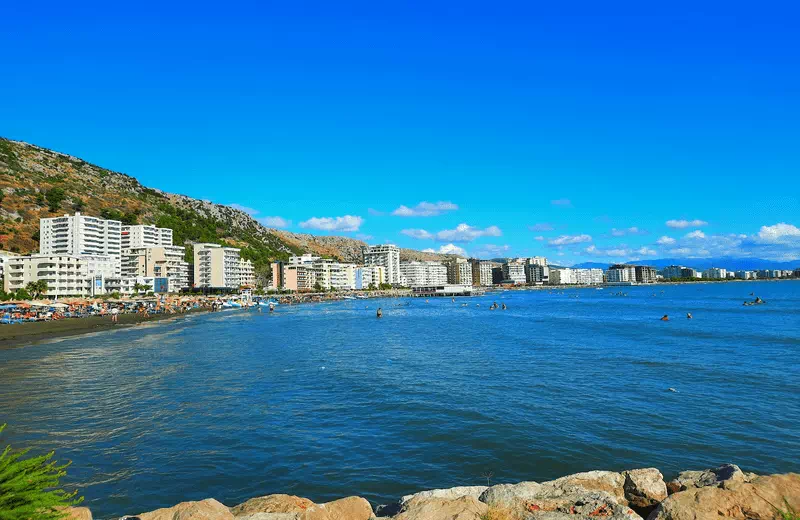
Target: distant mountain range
pixel 732 264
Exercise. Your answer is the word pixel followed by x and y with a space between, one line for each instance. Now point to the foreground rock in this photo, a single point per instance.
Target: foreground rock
pixel 78 513
pixel 644 489
pixel 208 509
pixel 289 507
pixel 440 508
pixel 710 477
pixel 743 497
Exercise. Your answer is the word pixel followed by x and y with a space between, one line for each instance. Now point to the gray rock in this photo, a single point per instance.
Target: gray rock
pixel 448 493
pixel 510 495
pixel 711 477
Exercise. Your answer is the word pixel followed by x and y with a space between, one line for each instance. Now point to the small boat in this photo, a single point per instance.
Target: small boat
pixel 348 297
pixel 232 303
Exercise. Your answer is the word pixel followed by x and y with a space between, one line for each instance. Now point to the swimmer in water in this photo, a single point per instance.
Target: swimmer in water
pixel 665 318
pixel 688 315
pixel 379 313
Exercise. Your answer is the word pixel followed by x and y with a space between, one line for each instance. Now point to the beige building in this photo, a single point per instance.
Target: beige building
pixel 157 262
pixel 247 273
pixel 216 266
pixel 299 278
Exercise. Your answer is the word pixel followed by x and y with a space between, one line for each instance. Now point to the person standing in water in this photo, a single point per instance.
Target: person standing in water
pixel 379 314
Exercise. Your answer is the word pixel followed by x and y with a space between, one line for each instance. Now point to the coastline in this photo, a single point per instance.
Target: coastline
pixel 636 494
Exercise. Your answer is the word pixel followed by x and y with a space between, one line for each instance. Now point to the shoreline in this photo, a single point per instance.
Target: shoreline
pixel 635 494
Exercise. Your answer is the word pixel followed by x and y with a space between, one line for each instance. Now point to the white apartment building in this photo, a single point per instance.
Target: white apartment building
pixel 307 259
pixel 386 256
pixel 459 271
pixel 157 262
pixel 588 276
pixel 515 272
pixel 715 273
pixel 562 276
pixel 621 273
pixel 4 257
pixel 331 274
pixel 216 266
pixel 145 236
pixel 247 273
pixel 418 274
pixel 66 275
pixel 76 235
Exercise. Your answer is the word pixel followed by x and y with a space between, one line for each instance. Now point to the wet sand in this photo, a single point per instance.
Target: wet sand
pixel 32 332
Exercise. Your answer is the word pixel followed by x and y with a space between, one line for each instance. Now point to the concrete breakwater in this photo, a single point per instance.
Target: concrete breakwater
pixel 723 492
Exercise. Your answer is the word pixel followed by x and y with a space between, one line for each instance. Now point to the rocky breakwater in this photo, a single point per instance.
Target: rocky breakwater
pixel 723 492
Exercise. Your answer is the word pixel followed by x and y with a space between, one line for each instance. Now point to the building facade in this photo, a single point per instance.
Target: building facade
pixel 65 275
pixel 216 266
pixel 481 272
pixel 514 272
pixel 459 271
pixel 386 256
pixel 417 274
pixel 76 235
pixel 145 236
pixel 157 262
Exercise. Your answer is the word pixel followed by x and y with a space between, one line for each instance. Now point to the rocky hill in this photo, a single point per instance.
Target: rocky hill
pixel 37 183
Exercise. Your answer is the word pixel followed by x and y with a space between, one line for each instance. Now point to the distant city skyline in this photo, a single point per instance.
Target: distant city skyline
pixel 490 133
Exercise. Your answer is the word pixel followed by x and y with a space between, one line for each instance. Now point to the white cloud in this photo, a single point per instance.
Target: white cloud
pixel 375 212
pixel 696 234
pixel 779 233
pixel 619 252
pixel 420 234
pixel 683 224
pixel 345 223
pixel 566 240
pixel 539 238
pixel 564 203
pixel 275 222
pixel 249 211
pixel 425 209
pixel 645 251
pixel 665 241
pixel 542 226
pixel 467 233
pixel 627 231
pixel 452 249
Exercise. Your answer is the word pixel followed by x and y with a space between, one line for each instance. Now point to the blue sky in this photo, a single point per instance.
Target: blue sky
pixel 580 132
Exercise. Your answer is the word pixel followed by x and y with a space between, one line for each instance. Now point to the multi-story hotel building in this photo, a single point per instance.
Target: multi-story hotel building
pixel 514 272
pixel 459 271
pixel 66 275
pixel 145 236
pixel 620 273
pixel 537 273
pixel 76 235
pixel 419 274
pixel 481 272
pixel 247 273
pixel 157 262
pixel 386 256
pixel 216 266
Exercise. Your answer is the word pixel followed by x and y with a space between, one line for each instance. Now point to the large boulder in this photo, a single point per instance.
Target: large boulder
pixel 584 495
pixel 273 504
pixel 462 508
pixel 514 496
pixel 350 508
pixel 208 509
pixel 644 489
pixel 289 507
pixel 733 499
pixel 449 493
pixel 709 477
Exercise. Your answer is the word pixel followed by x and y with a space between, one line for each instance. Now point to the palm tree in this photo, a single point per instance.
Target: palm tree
pixel 36 288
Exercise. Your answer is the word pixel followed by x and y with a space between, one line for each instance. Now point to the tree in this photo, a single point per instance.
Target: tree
pixel 138 287
pixel 371 286
pixel 22 294
pixel 55 196
pixel 77 204
pixel 37 288
pixel 318 287
pixel 29 486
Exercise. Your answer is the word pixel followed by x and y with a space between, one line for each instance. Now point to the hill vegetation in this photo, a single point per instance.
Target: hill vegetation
pixel 38 183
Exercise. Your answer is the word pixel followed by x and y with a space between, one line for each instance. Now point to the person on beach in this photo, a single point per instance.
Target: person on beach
pixel 114 314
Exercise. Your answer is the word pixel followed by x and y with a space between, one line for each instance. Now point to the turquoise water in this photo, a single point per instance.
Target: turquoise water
pixel 325 400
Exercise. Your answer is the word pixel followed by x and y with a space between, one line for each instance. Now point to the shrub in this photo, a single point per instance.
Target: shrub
pixel 29 486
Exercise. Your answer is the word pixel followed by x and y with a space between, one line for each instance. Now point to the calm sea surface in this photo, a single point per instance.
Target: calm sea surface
pixel 326 400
